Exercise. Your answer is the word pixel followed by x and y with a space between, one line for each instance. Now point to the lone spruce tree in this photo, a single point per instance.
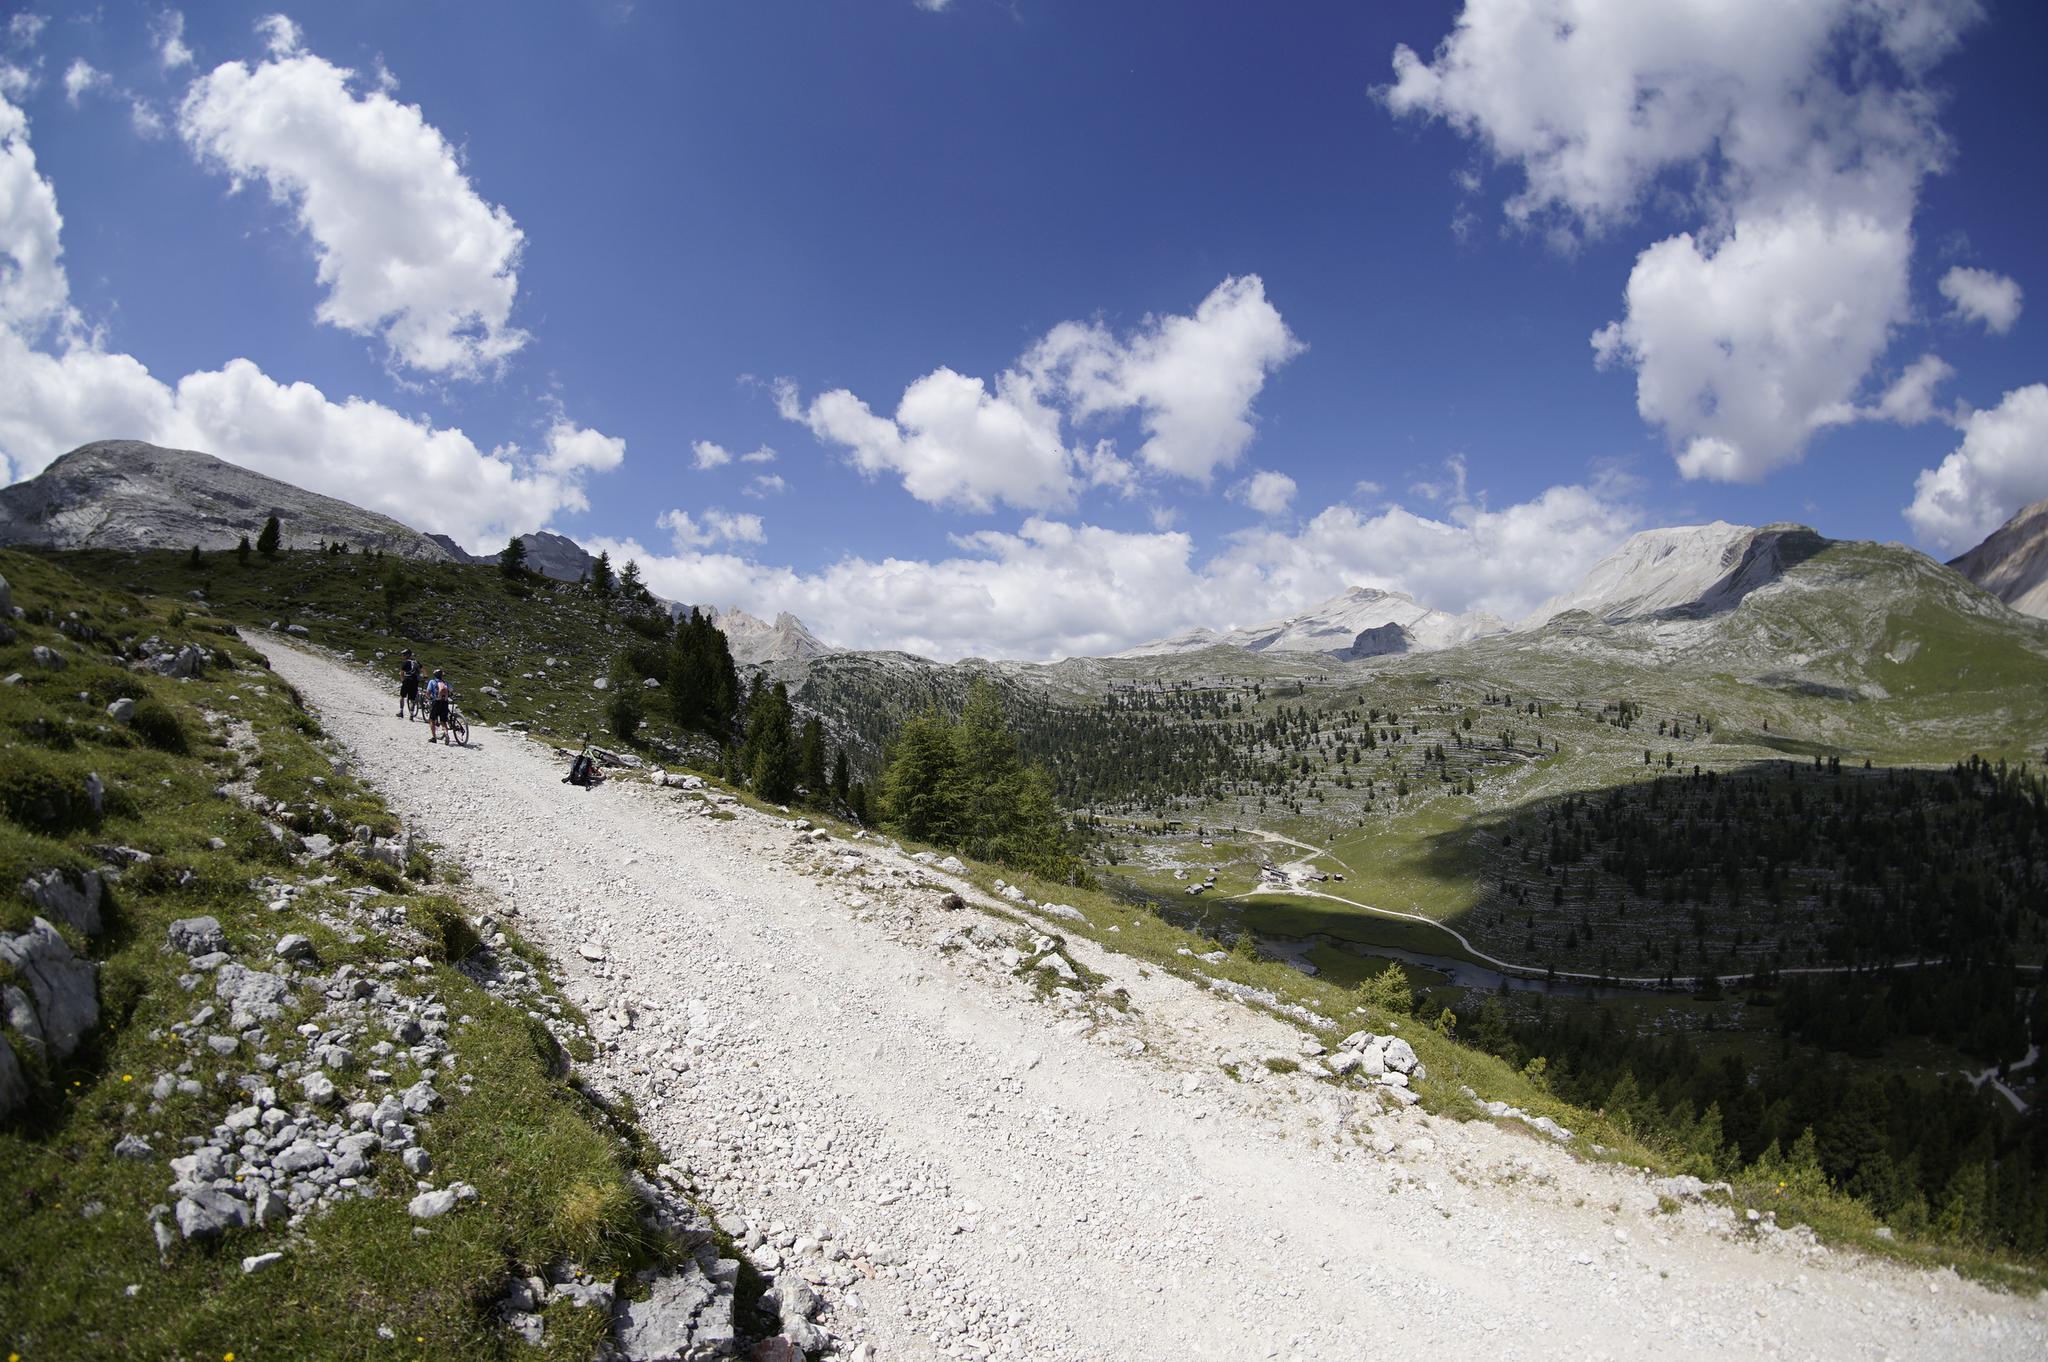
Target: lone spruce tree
pixel 242 551
pixel 771 748
pixel 268 542
pixel 601 575
pixel 811 761
pixel 630 585
pixel 512 558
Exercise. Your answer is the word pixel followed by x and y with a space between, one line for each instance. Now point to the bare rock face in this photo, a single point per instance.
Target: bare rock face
pixel 2012 564
pixel 124 494
pixel 755 642
pixel 66 995
pixel 74 901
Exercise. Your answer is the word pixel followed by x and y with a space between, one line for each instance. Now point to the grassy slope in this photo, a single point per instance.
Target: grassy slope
pixel 467 619
pixel 548 1164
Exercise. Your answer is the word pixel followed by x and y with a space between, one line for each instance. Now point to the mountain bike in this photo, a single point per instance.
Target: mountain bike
pixel 457 726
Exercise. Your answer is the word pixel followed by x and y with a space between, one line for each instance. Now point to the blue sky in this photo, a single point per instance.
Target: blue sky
pixel 1067 324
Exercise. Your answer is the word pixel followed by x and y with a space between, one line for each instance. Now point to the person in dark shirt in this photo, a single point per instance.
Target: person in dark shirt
pixel 408 681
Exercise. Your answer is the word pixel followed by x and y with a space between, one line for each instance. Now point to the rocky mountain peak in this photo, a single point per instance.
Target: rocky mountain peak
pixel 2012 562
pixel 125 494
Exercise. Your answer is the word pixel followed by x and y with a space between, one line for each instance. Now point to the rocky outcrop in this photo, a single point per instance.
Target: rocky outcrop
pixel 73 901
pixel 2012 564
pixel 1684 571
pixel 64 987
pixel 124 494
pixel 554 555
pixel 755 642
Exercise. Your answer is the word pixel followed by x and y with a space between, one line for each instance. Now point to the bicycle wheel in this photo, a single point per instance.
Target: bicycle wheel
pixel 458 728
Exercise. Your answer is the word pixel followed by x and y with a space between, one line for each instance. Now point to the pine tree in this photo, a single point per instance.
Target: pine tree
pixel 840 783
pixel 626 707
pixel 512 558
pixel 193 560
pixel 703 684
pixel 267 542
pixel 811 760
pixel 242 551
pixel 630 585
pixel 918 788
pixel 771 749
pixel 601 574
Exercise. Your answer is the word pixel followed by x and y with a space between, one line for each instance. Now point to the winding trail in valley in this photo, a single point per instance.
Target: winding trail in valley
pixel 1011 1174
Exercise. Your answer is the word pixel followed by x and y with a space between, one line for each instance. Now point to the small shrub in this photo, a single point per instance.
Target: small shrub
pixel 43 797
pixel 448 932
pixel 646 659
pixel 626 709
pixel 649 624
pixel 590 1217
pixel 1388 991
pixel 157 724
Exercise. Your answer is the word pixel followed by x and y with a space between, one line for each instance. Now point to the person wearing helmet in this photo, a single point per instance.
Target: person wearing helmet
pixel 439 693
pixel 408 681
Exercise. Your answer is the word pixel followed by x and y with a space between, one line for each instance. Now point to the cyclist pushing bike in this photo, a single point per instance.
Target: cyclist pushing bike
pixel 439 696
pixel 408 683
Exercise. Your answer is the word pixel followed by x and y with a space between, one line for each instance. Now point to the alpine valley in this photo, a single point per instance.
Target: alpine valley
pixel 1736 853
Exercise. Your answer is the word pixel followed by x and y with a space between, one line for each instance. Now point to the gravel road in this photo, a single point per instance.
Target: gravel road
pixel 971 1168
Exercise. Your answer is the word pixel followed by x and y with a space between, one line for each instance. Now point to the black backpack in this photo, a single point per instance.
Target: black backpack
pixel 582 770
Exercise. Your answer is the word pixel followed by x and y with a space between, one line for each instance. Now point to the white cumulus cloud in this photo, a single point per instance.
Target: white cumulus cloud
pixel 406 248
pixel 280 35
pixel 706 454
pixel 952 442
pixel 1745 348
pixel 168 31
pixel 764 485
pixel 714 526
pixel 33 288
pixel 1982 296
pixel 81 78
pixel 1267 492
pixel 571 448
pixel 1909 401
pixel 1796 135
pixel 1191 379
pixel 2001 465
pixel 956 440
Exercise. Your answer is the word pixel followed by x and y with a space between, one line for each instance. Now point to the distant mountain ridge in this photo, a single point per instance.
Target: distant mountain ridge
pixel 2012 562
pixel 549 554
pixel 1356 623
pixel 1683 571
pixel 125 494
pixel 755 642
